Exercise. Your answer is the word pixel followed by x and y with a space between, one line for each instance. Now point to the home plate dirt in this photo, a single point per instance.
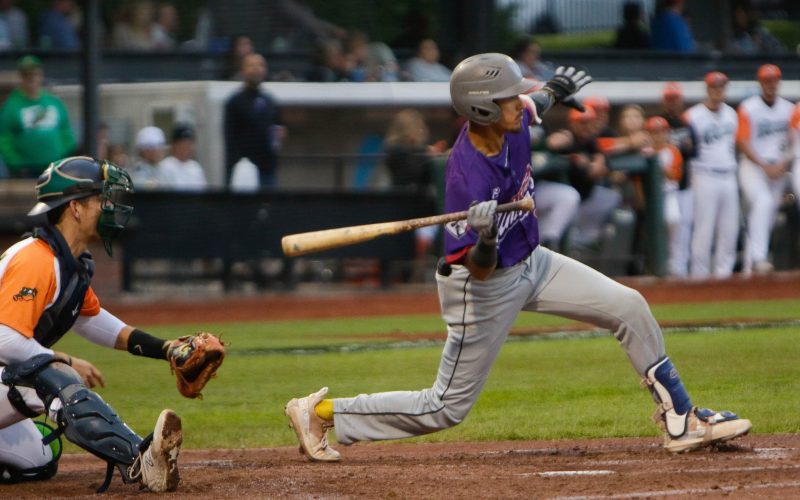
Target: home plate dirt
pixel 753 467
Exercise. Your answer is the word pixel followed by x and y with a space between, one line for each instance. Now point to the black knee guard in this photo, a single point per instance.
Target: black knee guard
pixel 85 419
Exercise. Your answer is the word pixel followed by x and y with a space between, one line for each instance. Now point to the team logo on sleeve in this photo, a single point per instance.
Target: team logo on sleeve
pixel 457 228
pixel 25 294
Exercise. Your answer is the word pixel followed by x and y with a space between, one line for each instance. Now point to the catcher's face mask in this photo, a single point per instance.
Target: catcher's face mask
pixel 114 214
pixel 79 177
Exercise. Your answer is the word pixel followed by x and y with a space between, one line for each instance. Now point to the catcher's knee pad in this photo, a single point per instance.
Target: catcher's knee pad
pixel 10 474
pixel 85 419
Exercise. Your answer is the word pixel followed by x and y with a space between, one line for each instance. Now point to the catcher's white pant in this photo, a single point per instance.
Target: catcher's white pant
pixel 20 441
pixel 479 315
pixel 763 197
pixel 680 236
pixel 556 206
pixel 716 224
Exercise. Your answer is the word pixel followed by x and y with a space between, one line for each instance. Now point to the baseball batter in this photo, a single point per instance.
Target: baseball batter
pixel 716 193
pixel 494 268
pixel 764 139
pixel 45 291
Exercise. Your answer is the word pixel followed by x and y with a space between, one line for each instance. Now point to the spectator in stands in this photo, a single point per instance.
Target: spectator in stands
pixel 369 61
pixel 632 35
pixel 56 31
pixel 165 29
pixel 34 126
pixel 303 25
pixel 180 170
pixel 602 110
pixel 136 29
pixel 425 66
pixel 150 145
pixel 587 174
pixel 118 155
pixel 680 136
pixel 13 26
pixel 253 126
pixel 764 139
pixel 328 63
pixel 241 45
pixel 410 164
pixel 527 53
pixel 749 35
pixel 669 30
pixel 671 162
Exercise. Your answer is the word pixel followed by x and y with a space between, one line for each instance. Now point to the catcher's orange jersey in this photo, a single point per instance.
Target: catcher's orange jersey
pixel 30 283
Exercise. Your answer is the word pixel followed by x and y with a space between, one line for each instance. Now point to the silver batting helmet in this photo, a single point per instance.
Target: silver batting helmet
pixel 479 80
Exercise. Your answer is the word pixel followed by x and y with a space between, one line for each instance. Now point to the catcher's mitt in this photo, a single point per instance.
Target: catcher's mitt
pixel 194 359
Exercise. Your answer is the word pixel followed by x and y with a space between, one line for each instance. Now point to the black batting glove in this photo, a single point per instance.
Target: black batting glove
pixel 566 82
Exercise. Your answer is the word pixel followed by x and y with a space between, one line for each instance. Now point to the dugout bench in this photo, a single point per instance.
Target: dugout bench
pixel 223 228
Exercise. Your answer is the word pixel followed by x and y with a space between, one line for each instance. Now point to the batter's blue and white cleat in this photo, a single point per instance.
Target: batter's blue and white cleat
pixel 312 431
pixel 704 427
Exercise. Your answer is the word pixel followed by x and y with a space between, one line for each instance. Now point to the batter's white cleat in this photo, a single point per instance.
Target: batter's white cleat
pixel 312 431
pixel 159 462
pixel 706 427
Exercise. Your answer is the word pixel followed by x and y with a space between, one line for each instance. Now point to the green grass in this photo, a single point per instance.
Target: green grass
pixel 577 41
pixel 537 389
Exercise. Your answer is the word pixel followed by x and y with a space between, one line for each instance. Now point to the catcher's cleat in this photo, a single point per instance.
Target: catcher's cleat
pixel 704 427
pixel 157 466
pixel 312 431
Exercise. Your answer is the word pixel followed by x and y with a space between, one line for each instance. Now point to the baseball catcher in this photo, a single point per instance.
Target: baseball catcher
pixel 45 291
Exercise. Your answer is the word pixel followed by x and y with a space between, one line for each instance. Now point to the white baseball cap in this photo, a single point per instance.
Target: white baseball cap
pixel 150 138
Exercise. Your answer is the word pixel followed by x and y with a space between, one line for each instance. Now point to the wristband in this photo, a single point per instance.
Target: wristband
pixel 143 344
pixel 484 253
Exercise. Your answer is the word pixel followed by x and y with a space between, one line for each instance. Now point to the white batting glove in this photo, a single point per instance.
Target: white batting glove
pixel 480 217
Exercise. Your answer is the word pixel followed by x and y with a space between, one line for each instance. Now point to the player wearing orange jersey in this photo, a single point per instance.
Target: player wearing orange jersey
pixel 764 140
pixel 45 291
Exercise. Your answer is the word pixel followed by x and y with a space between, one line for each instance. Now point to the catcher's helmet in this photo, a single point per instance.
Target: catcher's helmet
pixel 479 80
pixel 79 177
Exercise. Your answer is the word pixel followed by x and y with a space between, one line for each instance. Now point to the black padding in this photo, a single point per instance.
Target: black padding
pixel 85 418
pixel 9 474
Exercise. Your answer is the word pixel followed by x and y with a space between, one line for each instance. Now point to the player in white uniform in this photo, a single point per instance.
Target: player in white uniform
pixel 764 140
pixel 493 269
pixel 716 194
pixel 795 131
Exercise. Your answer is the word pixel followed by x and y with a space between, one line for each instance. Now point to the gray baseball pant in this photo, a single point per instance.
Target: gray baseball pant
pixel 479 315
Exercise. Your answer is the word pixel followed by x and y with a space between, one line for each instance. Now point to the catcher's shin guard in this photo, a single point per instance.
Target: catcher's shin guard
pixel 85 419
pixel 670 395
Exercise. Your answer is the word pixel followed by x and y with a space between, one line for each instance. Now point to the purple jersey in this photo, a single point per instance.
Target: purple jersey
pixel 471 176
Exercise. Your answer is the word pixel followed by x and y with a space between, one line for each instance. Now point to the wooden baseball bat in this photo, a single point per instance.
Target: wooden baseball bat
pixel 317 241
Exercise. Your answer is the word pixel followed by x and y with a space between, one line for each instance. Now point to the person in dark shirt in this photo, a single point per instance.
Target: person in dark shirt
pixel 587 174
pixel 632 35
pixel 253 127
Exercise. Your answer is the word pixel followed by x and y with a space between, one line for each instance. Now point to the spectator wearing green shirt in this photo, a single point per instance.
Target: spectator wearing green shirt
pixel 34 126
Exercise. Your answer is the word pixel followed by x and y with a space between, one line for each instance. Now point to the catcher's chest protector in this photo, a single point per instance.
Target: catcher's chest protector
pixel 76 276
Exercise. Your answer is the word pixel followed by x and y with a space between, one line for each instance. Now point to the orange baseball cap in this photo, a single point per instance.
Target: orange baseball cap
pixel 715 79
pixel 585 116
pixel 768 72
pixel 672 89
pixel 656 124
pixel 598 102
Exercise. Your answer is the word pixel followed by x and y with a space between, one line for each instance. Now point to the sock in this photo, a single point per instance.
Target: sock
pixel 324 409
